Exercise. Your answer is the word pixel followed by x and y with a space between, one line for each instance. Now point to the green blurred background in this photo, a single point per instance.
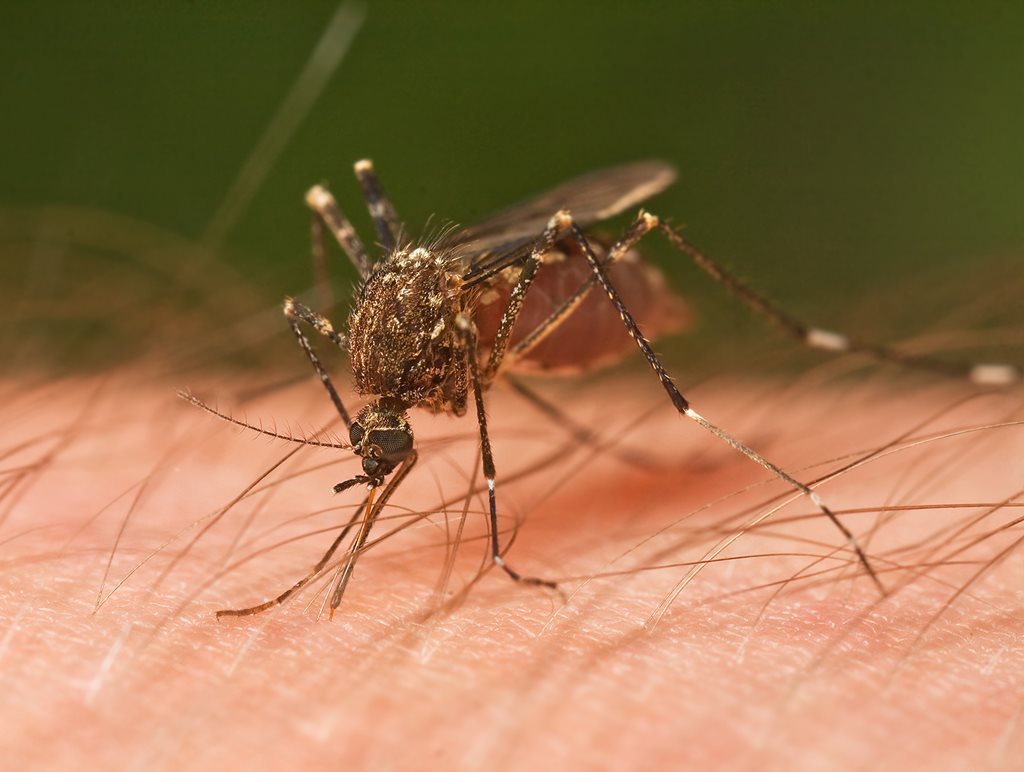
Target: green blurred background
pixel 826 150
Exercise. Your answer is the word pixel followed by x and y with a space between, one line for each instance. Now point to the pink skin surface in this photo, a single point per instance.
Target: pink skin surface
pixel 742 669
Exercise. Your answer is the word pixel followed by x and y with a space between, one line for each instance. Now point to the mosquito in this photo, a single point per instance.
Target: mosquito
pixel 438 322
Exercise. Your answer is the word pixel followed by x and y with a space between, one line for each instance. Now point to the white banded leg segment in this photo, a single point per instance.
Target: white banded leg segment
pixel 385 218
pixel 826 339
pixel 994 374
pixel 683 406
pixel 320 200
pixel 495 547
pixel 811 494
pixel 471 352
pixel 295 313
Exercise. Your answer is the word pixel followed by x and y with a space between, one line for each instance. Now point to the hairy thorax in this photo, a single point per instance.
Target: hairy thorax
pixel 403 342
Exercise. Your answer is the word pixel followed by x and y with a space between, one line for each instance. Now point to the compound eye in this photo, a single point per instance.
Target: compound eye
pixel 356 434
pixel 393 443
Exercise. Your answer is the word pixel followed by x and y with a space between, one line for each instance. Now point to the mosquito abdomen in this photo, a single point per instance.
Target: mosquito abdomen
pixel 592 336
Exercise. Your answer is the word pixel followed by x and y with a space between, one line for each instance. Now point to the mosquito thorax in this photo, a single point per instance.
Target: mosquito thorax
pixel 382 436
pixel 402 341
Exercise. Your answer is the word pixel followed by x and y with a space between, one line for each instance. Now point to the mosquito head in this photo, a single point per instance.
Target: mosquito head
pixel 382 436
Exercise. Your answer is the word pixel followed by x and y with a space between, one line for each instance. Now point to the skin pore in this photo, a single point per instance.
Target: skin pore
pixel 778 654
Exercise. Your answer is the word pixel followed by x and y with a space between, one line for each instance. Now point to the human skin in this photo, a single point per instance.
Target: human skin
pixel 823 674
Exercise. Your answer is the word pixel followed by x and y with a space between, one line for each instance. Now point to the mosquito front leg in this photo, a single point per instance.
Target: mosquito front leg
pixel 295 313
pixel 682 404
pixel 468 331
pixel 385 218
pixel 814 337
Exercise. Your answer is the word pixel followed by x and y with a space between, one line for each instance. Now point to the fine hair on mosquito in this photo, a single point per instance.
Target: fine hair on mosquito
pixel 435 324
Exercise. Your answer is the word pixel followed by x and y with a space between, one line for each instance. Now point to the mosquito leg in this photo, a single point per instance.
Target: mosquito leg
pixel 499 351
pixel 515 302
pixel 364 530
pixel 639 228
pixel 389 227
pixel 295 313
pixel 319 256
pixel 244 612
pixel 683 406
pixel 509 317
pixel 469 337
pixel 982 374
pixel 320 200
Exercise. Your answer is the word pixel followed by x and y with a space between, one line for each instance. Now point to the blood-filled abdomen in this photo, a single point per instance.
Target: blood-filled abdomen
pixel 593 335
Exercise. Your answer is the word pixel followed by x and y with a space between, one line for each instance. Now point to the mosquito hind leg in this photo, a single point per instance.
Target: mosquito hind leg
pixel 566 223
pixel 320 200
pixel 385 218
pixel 295 313
pixel 813 337
pixel 829 340
pixel 318 255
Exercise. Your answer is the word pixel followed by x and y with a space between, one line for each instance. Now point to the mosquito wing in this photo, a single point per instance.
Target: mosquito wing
pixel 591 198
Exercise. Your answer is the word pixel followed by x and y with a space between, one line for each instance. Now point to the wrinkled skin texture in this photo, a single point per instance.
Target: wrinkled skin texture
pixel 829 676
